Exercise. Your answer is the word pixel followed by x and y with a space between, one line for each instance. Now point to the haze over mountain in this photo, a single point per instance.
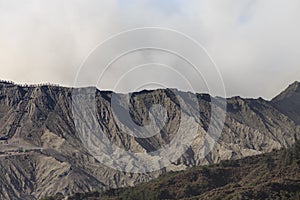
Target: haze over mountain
pixel 42 153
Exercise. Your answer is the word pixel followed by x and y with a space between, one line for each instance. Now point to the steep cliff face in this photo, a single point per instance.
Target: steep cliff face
pixel 42 152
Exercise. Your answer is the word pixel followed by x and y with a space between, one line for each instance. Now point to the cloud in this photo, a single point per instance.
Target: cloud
pixel 254 43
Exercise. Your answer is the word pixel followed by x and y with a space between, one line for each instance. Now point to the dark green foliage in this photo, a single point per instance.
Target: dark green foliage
pixel 270 161
pixel 290 155
pixel 229 163
pixel 191 190
pixel 48 198
pixel 58 196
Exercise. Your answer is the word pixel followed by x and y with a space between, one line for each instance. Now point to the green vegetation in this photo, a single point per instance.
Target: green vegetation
pixel 58 196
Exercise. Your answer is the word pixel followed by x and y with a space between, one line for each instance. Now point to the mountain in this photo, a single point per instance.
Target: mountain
pixel 274 175
pixel 42 151
pixel 288 102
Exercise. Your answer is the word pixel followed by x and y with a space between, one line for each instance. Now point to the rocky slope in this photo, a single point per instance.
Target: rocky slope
pixel 42 152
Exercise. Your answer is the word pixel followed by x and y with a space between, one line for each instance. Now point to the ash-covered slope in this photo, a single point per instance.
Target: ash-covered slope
pixel 42 153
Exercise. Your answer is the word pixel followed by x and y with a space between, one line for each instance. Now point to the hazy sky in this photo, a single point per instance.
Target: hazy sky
pixel 255 43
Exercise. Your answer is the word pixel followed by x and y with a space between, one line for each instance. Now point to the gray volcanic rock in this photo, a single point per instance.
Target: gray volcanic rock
pixel 42 152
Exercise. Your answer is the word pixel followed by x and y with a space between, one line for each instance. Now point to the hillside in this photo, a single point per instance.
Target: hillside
pixel 42 152
pixel 274 175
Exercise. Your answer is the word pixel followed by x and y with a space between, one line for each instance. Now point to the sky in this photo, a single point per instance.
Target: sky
pixel 255 45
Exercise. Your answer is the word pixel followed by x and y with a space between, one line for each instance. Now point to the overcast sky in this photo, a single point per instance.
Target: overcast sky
pixel 255 43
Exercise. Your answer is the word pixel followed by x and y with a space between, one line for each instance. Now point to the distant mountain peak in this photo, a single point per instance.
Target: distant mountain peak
pixel 287 101
pixel 291 90
pixel 295 86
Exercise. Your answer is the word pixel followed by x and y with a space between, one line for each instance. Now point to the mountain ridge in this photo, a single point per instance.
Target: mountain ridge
pixel 48 84
pixel 36 123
